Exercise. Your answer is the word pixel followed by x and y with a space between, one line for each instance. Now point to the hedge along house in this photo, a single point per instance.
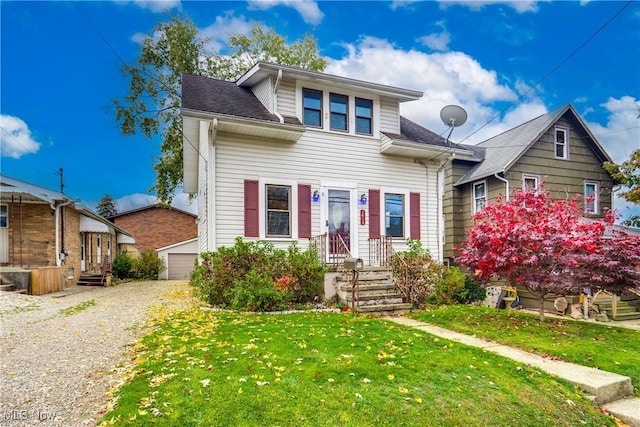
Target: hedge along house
pixel 285 154
pixel 48 241
pixel 556 150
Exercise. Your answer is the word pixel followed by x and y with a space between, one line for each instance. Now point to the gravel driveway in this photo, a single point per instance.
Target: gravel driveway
pixel 56 367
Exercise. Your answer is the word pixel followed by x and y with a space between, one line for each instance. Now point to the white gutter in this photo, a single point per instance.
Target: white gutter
pixel 275 96
pixel 506 184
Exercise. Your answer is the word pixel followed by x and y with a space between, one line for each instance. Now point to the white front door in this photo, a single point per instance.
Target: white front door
pixel 4 234
pixel 338 215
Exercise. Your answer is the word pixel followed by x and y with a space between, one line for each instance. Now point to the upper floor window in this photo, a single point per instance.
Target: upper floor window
pixel 561 143
pixel 364 116
pixel 312 106
pixel 479 196
pixel 339 105
pixel 394 213
pixel 591 194
pixel 530 182
pixel 278 198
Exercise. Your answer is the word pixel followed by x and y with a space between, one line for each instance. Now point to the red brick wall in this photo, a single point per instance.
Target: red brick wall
pixel 155 227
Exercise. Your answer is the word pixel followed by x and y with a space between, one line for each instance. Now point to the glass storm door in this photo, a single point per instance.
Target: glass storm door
pixel 83 254
pixel 339 222
pixel 4 234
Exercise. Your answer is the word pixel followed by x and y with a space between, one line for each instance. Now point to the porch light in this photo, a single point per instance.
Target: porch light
pixel 316 196
pixel 363 199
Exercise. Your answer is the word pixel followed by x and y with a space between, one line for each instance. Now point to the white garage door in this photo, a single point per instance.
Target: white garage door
pixel 180 265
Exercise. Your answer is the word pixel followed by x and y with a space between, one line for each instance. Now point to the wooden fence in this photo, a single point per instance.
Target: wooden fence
pixel 45 280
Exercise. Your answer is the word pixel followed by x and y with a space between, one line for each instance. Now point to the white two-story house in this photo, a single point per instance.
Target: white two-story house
pixel 285 154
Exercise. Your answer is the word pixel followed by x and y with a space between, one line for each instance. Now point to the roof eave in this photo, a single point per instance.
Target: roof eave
pixel 263 69
pixel 249 126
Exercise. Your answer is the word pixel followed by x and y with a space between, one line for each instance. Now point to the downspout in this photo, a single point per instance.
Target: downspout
pixel 440 192
pixel 60 231
pixel 506 182
pixel 211 184
pixel 275 96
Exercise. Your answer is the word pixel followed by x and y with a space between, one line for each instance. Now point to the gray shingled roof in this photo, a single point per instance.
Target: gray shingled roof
pixel 413 132
pixel 502 151
pixel 223 97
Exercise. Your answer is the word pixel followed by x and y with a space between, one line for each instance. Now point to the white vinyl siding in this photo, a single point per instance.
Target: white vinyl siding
pixel 287 98
pixel 313 160
pixel 389 115
pixel 262 91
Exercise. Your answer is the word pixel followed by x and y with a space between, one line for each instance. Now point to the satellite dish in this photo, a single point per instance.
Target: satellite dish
pixel 453 115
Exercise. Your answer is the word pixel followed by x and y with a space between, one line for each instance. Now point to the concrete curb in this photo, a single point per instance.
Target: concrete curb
pixel 612 391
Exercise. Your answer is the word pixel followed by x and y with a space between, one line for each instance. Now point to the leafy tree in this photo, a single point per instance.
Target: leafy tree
pixel 628 174
pixel 107 206
pixel 153 102
pixel 547 247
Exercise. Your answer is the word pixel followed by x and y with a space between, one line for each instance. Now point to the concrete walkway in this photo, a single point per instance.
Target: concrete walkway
pixel 611 391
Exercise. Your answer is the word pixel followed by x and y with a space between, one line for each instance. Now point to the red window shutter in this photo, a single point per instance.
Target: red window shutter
pixel 374 214
pixel 414 214
pixel 251 209
pixel 304 211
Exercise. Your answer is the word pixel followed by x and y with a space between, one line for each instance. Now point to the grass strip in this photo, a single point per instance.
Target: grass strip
pixel 597 345
pixel 77 308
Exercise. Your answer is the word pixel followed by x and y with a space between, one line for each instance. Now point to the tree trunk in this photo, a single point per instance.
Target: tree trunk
pixel 541 307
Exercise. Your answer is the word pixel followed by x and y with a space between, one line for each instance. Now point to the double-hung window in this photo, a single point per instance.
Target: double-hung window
pixel 530 182
pixel 591 202
pixel 479 196
pixel 339 105
pixel 364 116
pixel 278 199
pixel 394 212
pixel 312 105
pixel 561 145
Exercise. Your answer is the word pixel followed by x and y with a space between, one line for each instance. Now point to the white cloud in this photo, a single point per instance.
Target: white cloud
pixel 402 3
pixel 621 134
pixel 308 9
pixel 437 41
pixel 445 78
pixel 520 6
pixel 223 27
pixel 15 138
pixel 156 6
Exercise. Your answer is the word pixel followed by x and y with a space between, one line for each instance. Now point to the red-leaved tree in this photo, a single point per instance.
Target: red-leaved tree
pixel 546 246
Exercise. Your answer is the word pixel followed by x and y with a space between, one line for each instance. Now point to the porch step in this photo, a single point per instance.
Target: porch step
pixel 624 311
pixel 377 293
pixel 90 280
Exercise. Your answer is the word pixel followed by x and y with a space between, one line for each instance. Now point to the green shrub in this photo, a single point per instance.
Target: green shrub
pixel 122 265
pixel 148 266
pixel 471 292
pixel 446 289
pixel 222 278
pixel 258 293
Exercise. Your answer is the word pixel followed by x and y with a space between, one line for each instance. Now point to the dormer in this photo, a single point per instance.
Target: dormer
pixel 326 102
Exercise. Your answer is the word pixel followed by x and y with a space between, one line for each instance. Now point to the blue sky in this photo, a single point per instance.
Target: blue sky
pixel 60 70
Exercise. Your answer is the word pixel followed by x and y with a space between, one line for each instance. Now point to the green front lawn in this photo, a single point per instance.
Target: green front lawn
pixel 600 345
pixel 205 368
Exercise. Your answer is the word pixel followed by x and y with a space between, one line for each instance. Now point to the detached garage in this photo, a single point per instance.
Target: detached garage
pixel 179 259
